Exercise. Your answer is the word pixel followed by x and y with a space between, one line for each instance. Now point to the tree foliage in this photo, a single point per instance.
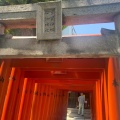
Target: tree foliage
pixel 15 2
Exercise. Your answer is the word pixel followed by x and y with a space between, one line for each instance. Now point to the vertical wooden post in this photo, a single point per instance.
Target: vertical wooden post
pixel 112 92
pixel 94 115
pixel 117 76
pixel 56 107
pixel 97 103
pixel 5 73
pixel 33 102
pixel 105 96
pixel 65 104
pixel 56 104
pixel 29 107
pixel 40 101
pixel 43 114
pixel 26 100
pixel 11 102
pixel 19 96
pixel 47 103
pixel 7 98
pixel 1 77
pixel 36 108
pixel 59 105
pixel 22 99
pixel 51 103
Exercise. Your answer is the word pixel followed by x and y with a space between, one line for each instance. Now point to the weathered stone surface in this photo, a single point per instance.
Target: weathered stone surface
pixel 49 21
pixel 68 47
pixel 117 27
pixel 74 12
pixel 77 3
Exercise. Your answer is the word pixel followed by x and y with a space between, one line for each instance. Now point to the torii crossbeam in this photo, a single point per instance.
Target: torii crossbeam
pixel 24 16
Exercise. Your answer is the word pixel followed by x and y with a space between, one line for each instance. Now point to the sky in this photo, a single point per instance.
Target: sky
pixel 88 29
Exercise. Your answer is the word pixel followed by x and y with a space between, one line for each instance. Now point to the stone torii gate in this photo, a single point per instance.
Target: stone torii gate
pixel 77 12
pixel 32 89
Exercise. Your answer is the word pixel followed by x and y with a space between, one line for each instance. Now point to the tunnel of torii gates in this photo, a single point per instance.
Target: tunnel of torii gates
pixel 37 89
pixel 35 85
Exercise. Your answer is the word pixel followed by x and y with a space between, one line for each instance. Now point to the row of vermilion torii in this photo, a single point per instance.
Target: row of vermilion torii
pixel 23 99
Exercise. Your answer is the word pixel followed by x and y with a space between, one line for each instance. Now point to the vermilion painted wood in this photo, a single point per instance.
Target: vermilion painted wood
pixel 18 97
pixel 100 100
pixel 112 92
pixel 63 64
pixel 26 100
pixel 44 108
pixel 117 76
pixel 63 111
pixel 101 91
pixel 95 103
pixel 73 88
pixel 51 103
pixel 56 109
pixel 92 101
pixel 1 60
pixel 57 105
pixel 1 72
pixel 5 74
pixel 11 106
pixel 7 98
pixel 73 81
pixel 43 95
pixel 34 102
pixel 48 102
pixel 69 69
pixel 66 103
pixel 68 75
pixel 61 105
pixel 102 96
pixel 40 101
pixel 30 100
pixel 22 99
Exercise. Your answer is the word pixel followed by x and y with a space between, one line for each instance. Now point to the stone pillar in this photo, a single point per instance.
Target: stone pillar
pixel 117 28
pixel 2 29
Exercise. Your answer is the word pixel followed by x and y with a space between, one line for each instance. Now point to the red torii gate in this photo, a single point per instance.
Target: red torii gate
pixel 32 89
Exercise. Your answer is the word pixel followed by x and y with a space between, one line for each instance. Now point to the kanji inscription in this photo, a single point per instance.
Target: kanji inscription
pixel 49 21
pixel 49 17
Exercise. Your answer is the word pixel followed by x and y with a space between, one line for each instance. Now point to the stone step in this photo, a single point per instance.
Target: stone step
pixel 72 114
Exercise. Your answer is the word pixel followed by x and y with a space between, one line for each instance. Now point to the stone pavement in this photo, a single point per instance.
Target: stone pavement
pixel 72 114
